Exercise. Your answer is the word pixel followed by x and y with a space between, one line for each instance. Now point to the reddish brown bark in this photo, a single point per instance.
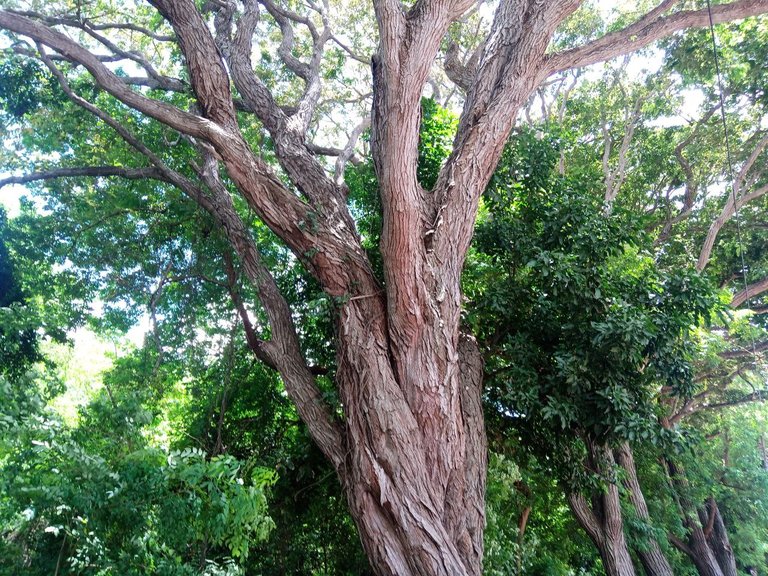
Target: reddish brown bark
pixel 410 446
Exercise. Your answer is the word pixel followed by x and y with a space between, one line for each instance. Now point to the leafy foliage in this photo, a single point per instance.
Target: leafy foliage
pixel 583 326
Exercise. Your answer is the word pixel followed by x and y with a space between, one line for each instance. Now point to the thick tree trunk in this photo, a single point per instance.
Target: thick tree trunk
pixel 602 520
pixel 719 542
pixel 616 558
pixel 411 519
pixel 697 546
pixel 701 554
pixel 606 532
pixel 654 561
pixel 652 558
pixel 410 446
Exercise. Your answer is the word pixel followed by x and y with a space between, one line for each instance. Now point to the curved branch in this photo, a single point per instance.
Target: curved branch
pixel 741 177
pixel 288 132
pixel 283 350
pixel 732 206
pixel 154 78
pixel 680 545
pixel 167 114
pixel 163 83
pixel 348 152
pixel 691 186
pixel 281 13
pixel 285 50
pixel 461 74
pixel 648 29
pixel 747 293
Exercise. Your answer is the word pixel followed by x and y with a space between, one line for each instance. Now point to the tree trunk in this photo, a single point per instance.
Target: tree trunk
pixel 701 554
pixel 652 558
pixel 409 446
pixel 719 542
pixel 616 558
pixel 697 547
pixel 607 533
pixel 411 519
pixel 521 525
pixel 654 561
pixel 602 520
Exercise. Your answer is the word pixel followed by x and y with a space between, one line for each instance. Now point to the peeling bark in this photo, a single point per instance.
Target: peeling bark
pixel 409 448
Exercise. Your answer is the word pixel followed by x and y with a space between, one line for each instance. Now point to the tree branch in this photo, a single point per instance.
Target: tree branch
pixel 460 73
pixel 154 79
pixel 366 60
pixel 134 28
pixel 680 545
pixel 289 135
pixel 747 293
pixel 84 23
pixel 87 171
pixel 614 179
pixel 758 395
pixel 586 516
pixel 348 152
pixel 509 69
pixel 691 186
pixel 170 115
pixel 745 351
pixel 741 177
pixel 648 29
pixel 732 206
pixel 283 350
pixel 208 75
pixel 285 50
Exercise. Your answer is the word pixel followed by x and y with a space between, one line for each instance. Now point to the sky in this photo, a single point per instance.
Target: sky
pixel 9 196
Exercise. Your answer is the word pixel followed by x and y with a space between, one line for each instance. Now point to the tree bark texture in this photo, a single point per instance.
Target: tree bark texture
pixel 701 554
pixel 601 516
pixel 409 446
pixel 699 524
pixel 651 556
pixel 718 540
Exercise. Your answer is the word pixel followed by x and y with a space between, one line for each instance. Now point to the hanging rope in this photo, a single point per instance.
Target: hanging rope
pixel 731 176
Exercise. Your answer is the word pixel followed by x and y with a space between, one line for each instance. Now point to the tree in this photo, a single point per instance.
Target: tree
pixel 407 441
pixel 584 329
pixel 19 343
